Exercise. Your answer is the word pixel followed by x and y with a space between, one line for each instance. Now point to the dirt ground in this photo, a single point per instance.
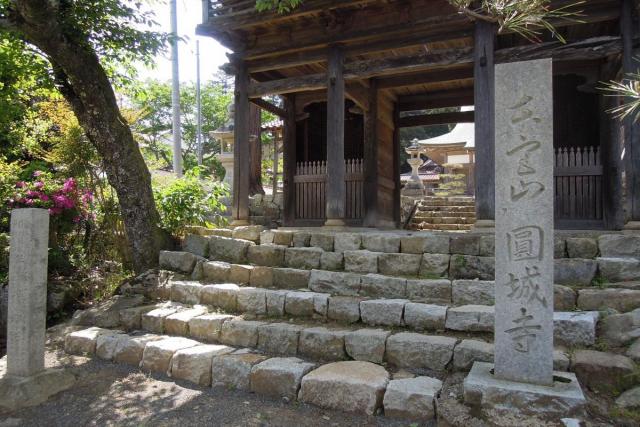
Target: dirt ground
pixel 107 394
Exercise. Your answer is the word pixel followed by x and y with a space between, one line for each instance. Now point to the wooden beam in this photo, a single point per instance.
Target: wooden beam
pixel 484 102
pixel 429 76
pixel 629 29
pixel 371 157
pixel 336 190
pixel 267 106
pixel 440 99
pixel 289 158
pixel 595 48
pixel 358 93
pixel 240 205
pixel 436 119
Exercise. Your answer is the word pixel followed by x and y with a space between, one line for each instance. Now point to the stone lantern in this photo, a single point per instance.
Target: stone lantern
pixel 414 187
pixel 225 135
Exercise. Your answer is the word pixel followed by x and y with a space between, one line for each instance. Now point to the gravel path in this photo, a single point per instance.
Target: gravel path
pixel 107 394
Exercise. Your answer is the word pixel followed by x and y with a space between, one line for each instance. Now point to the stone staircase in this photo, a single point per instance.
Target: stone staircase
pixel 354 321
pixel 444 213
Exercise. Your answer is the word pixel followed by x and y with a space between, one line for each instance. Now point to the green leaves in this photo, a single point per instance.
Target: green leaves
pixel 629 90
pixel 280 6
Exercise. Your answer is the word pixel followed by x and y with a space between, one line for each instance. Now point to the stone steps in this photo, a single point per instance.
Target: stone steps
pixel 356 386
pixel 442 227
pixel 443 220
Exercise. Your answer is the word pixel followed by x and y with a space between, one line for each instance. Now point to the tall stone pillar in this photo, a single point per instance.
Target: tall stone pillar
pixel 335 139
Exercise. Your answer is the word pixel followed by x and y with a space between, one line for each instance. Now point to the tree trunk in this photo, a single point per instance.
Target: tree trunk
pixel 255 150
pixel 83 82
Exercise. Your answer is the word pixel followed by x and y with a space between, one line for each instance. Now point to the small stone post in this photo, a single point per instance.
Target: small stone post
pixel 27 382
pixel 27 292
pixel 414 187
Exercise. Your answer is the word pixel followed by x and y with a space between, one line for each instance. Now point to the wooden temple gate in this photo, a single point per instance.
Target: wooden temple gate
pixel 311 190
pixel 578 187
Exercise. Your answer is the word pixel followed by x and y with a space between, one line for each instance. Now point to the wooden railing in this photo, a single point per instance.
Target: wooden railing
pixel 311 189
pixel 578 186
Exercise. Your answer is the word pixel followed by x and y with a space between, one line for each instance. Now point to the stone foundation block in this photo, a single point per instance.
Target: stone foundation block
pixel 415 351
pixel 575 329
pixel 564 298
pixel 430 291
pixel 240 274
pixel 323 241
pixel 487 246
pixel 252 300
pixel 266 255
pixel 621 329
pixel 344 309
pixel 471 267
pixel 291 278
pixel 279 377
pixel 582 247
pixel 129 349
pixel 153 321
pixel 379 286
pixel 622 300
pixel 332 261
pixel 178 323
pixel 229 250
pixel 399 264
pixel 249 232
pixel 196 244
pixel 347 242
pixel 385 312
pixel 223 296
pixel 619 246
pixel 216 271
pixel 107 344
pixel 471 318
pixel 194 363
pixel 604 372
pixel 130 318
pixel 178 261
pixel 207 327
pixel 420 244
pixel 303 258
pixel 346 386
pixel 334 283
pixel 240 333
pixel 186 292
pixel 283 238
pixel 574 271
pixel 157 355
pixel 367 344
pixel 433 266
pixel 469 351
pixel 275 302
pixel 361 261
pixel 301 239
pixel 234 370
pixel 412 398
pixel 322 344
pixel 266 237
pixel 619 269
pixel 389 243
pixel 279 338
pixel 499 397
pixel 261 277
pixel 425 316
pixel 465 244
pixel 306 304
pixel 473 292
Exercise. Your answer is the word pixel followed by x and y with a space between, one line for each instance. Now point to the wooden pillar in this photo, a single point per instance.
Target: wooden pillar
pixel 335 139
pixel 289 159
pixel 630 64
pixel 396 165
pixel 371 157
pixel 484 100
pixel 610 155
pixel 241 167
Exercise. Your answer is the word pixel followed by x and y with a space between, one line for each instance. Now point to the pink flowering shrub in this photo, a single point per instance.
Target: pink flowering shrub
pixel 66 202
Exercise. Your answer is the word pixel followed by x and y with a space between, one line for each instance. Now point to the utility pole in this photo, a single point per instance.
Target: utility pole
pixel 175 93
pixel 199 105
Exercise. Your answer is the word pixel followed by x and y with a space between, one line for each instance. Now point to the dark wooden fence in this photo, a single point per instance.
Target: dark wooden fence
pixel 311 189
pixel 578 187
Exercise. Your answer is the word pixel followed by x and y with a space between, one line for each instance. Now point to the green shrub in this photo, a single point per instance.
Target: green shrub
pixel 187 202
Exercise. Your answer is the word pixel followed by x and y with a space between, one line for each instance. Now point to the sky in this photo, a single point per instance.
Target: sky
pixel 212 54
